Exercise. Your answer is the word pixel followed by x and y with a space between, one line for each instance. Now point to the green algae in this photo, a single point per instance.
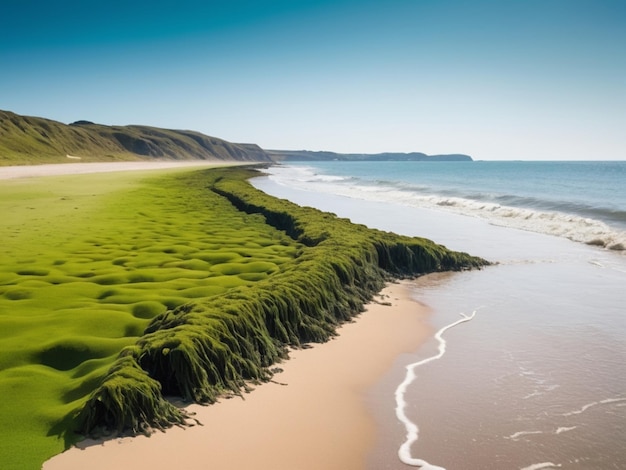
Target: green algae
pixel 189 284
pixel 80 282
pixel 216 345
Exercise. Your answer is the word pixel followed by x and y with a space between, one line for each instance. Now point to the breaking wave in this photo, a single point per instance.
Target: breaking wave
pixel 578 222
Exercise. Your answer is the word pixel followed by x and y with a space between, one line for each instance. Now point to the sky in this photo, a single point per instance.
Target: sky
pixel 498 80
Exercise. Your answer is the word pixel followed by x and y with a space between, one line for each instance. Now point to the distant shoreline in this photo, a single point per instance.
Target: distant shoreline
pixel 289 156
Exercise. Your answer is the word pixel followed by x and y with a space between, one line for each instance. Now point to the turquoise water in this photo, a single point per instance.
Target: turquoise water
pixel 537 378
pixel 583 201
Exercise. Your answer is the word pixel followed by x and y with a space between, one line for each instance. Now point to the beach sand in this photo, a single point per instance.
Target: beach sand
pixel 56 169
pixel 312 416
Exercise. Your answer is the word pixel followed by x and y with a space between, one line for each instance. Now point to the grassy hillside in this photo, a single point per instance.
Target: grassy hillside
pixel 34 140
pixel 116 289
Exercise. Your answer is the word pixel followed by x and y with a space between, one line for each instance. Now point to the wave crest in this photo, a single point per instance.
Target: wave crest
pixel 576 227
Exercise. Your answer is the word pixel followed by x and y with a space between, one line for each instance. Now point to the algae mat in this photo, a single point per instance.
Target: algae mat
pixel 116 289
pixel 86 262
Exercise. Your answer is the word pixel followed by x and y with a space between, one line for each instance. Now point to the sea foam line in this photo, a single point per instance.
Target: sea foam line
pixel 595 403
pixel 539 466
pixel 575 227
pixel 412 431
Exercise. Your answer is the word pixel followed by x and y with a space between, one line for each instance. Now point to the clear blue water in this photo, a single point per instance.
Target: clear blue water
pixel 583 201
pixel 588 188
pixel 537 379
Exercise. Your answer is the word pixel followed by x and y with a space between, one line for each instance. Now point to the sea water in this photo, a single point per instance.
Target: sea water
pixel 534 377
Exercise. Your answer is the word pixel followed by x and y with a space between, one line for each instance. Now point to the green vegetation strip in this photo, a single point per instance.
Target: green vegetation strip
pixel 116 291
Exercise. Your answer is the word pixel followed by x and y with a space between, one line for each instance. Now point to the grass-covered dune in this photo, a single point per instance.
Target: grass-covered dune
pixel 117 290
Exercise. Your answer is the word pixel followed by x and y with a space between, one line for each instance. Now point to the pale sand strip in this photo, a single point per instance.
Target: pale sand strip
pixel 56 169
pixel 319 420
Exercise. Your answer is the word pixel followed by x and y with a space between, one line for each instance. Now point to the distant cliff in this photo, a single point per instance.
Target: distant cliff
pixel 306 155
pixel 33 140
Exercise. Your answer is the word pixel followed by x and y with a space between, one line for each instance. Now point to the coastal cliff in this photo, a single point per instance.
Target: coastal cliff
pixel 307 155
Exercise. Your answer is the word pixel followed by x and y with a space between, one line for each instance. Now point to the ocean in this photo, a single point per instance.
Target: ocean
pixel 527 370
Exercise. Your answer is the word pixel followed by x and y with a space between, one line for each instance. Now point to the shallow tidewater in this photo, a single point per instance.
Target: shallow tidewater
pixel 537 378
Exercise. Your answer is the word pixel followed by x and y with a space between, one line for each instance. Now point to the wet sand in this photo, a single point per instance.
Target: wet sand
pixel 313 416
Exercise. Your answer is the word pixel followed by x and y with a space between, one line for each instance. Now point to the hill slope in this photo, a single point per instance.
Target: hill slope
pixel 32 140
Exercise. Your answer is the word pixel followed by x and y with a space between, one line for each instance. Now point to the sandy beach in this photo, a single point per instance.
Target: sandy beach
pixel 56 169
pixel 312 416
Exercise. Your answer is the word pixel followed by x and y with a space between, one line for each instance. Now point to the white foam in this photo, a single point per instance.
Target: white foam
pixel 541 385
pixel 542 390
pixel 596 263
pixel 595 403
pixel 574 227
pixel 517 435
pixel 412 431
pixel 326 178
pixel 539 466
pixel 565 429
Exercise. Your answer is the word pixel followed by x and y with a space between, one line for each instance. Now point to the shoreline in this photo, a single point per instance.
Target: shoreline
pixel 312 415
pixel 314 272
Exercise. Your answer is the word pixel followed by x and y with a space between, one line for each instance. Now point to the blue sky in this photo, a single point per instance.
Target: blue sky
pixel 533 79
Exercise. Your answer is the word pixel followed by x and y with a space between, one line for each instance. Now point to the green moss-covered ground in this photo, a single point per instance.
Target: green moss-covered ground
pixel 116 289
